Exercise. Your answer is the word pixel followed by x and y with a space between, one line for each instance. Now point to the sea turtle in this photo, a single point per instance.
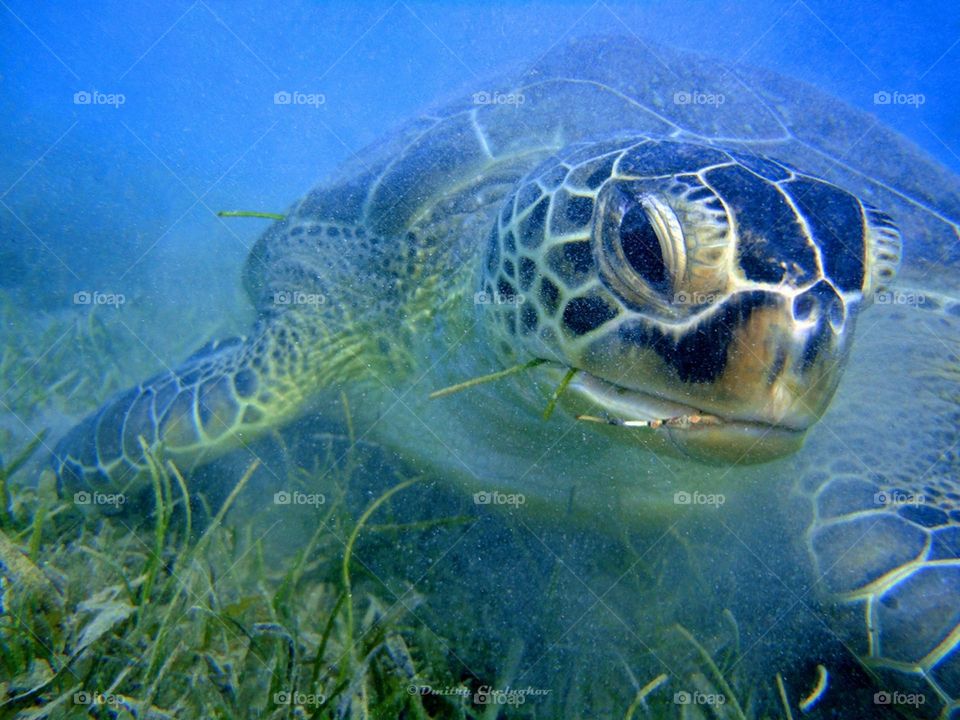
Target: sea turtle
pixel 672 247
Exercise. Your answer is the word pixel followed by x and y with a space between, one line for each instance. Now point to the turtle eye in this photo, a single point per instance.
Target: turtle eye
pixel 642 249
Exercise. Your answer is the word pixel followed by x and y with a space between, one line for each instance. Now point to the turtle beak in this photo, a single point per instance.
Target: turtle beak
pixel 673 428
pixel 739 443
pixel 759 370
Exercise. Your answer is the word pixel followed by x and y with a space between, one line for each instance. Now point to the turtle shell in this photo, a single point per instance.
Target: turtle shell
pixel 609 87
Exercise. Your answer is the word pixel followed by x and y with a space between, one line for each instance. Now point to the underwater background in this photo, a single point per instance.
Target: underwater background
pixel 119 197
pixel 126 127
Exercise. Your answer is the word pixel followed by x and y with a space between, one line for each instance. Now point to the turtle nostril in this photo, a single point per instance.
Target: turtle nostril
pixel 821 304
pixel 804 307
pixel 836 315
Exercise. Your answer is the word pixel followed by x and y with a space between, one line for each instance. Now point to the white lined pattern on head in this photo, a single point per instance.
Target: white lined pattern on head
pixel 823 260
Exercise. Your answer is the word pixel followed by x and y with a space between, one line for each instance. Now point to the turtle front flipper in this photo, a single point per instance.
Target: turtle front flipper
pixel 222 396
pixel 883 472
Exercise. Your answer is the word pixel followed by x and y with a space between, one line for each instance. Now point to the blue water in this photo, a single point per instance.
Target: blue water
pixel 120 193
pixel 110 196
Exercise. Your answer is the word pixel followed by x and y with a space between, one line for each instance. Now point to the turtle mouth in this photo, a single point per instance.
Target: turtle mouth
pixel 702 434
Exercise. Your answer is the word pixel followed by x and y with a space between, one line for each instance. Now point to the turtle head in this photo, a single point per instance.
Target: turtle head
pixel 685 283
